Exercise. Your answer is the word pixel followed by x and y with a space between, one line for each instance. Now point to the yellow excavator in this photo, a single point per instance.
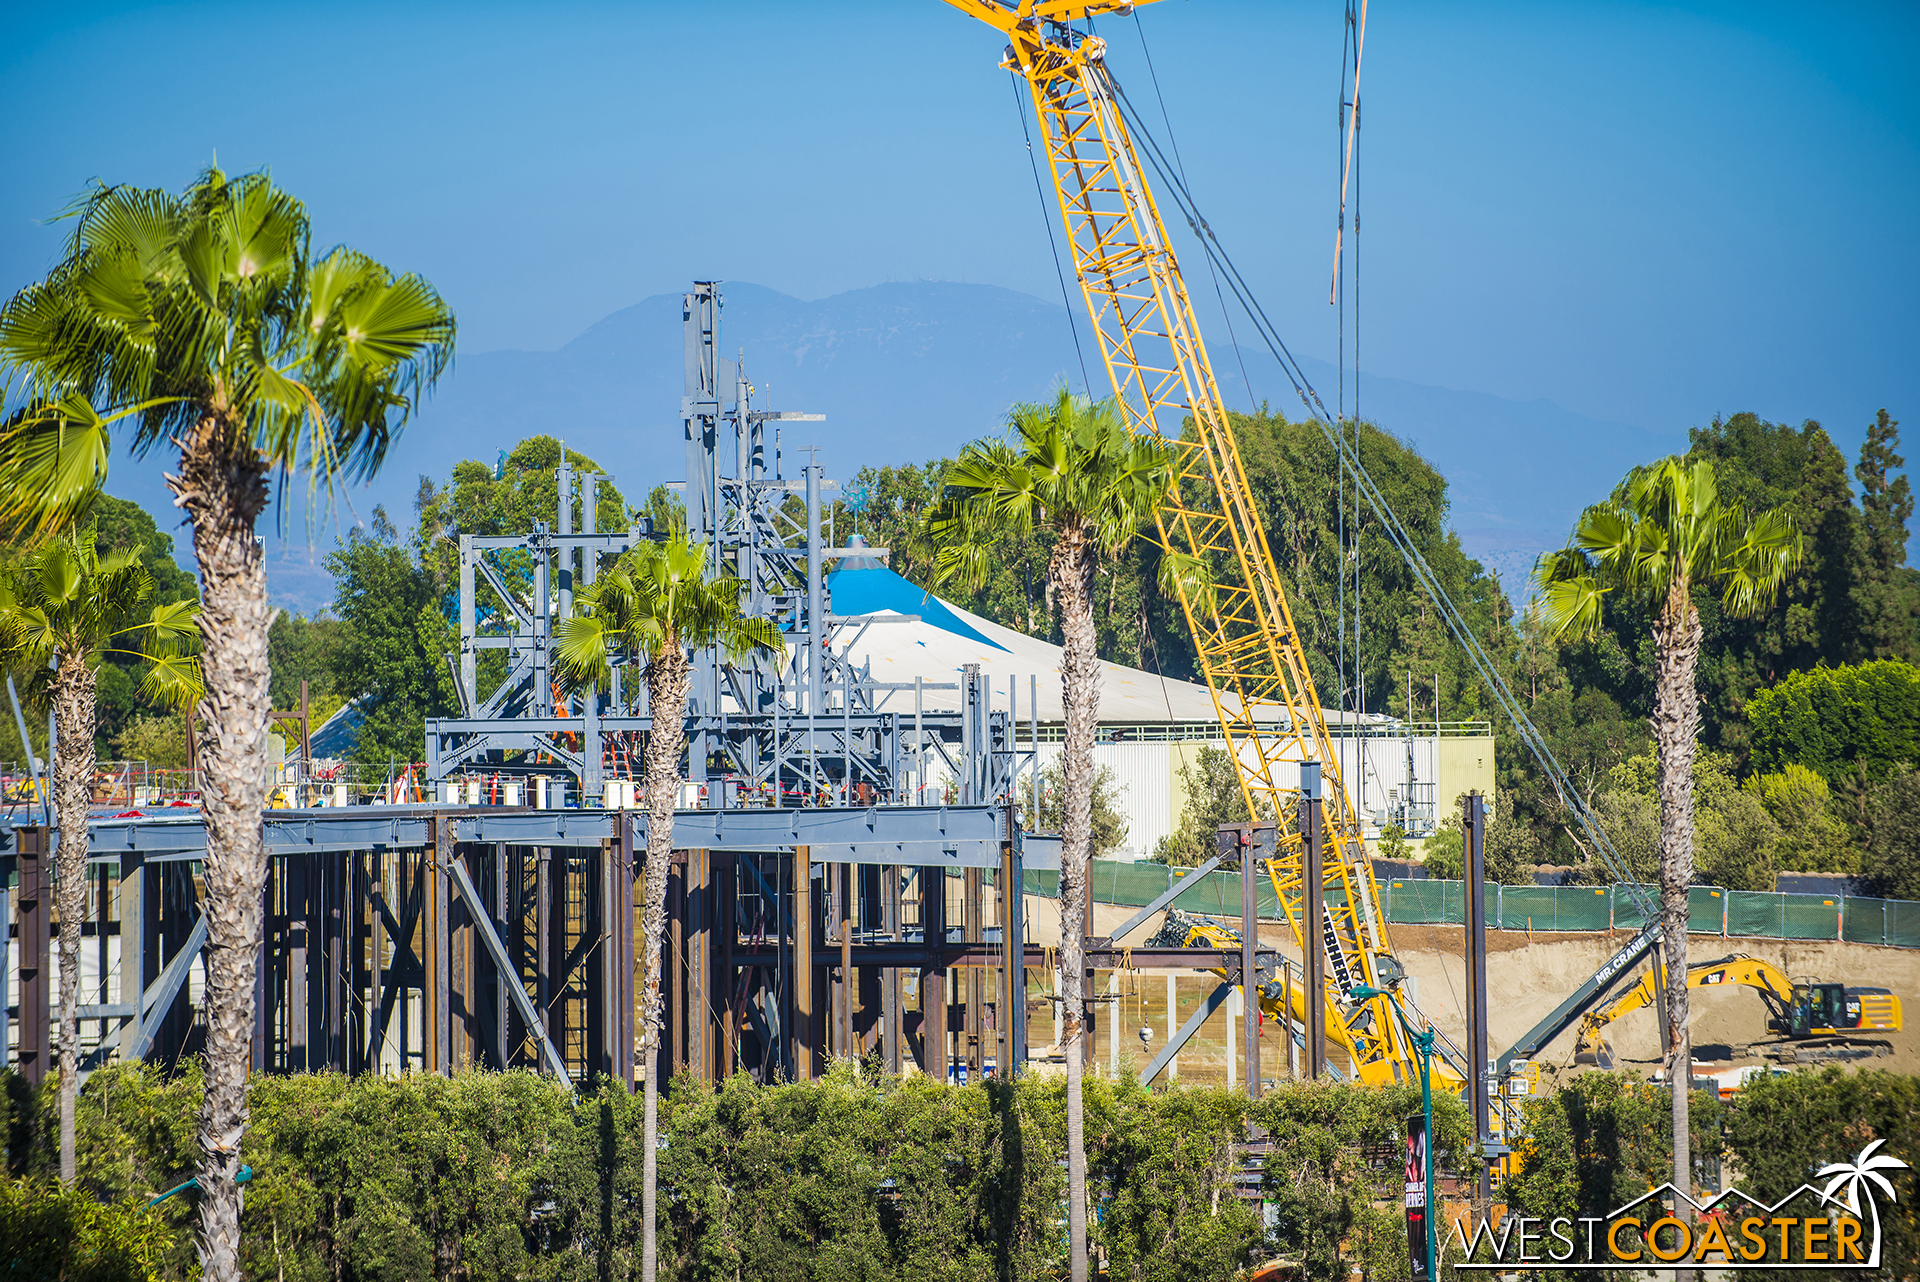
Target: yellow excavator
pixel 1797 1010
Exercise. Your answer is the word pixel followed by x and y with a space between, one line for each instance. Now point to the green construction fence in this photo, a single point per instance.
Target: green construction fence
pixel 1711 910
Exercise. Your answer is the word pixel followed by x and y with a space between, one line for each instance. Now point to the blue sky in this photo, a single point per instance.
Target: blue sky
pixel 1645 213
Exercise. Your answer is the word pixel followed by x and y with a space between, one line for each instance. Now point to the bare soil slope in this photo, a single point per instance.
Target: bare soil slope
pixel 1528 978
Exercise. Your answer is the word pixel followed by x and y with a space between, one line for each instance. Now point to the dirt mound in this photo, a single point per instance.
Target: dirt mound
pixel 1529 977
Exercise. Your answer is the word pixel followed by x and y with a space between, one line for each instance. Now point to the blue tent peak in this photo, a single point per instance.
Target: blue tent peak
pixel 861 585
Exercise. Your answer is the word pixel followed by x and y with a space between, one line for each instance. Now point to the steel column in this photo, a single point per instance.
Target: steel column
pixel 1312 945
pixel 33 913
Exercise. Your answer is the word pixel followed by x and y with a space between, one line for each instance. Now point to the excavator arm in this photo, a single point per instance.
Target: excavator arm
pixel 1768 980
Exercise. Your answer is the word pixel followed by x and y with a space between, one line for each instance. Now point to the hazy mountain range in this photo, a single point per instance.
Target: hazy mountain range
pixel 908 372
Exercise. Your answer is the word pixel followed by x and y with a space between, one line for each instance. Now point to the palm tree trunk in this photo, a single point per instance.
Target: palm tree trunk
pixel 1070 576
pixel 669 676
pixel 74 684
pixel 1676 725
pixel 222 486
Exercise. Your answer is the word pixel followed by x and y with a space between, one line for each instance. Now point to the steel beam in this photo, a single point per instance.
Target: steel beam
pixel 516 991
pixel 934 836
pixel 1215 1000
pixel 1312 944
pixel 157 1002
pixel 1173 892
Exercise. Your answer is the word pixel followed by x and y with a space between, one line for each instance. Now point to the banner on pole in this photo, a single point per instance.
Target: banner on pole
pixel 1417 1194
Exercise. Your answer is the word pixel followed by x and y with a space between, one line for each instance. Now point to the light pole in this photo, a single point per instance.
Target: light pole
pixel 1422 1043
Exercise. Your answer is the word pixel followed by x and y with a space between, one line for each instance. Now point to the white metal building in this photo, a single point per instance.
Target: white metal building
pixel 1150 725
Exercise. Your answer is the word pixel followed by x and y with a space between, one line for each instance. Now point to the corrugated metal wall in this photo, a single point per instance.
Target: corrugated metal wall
pixel 1151 796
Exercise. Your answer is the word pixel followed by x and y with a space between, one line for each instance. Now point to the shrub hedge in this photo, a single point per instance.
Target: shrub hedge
pixel 858 1176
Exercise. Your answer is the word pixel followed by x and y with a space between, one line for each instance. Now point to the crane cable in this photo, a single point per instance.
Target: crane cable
pixel 1397 532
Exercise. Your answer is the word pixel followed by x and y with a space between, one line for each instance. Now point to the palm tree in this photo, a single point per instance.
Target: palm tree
pixel 207 322
pixel 1664 535
pixel 62 609
pixel 1071 467
pixel 656 604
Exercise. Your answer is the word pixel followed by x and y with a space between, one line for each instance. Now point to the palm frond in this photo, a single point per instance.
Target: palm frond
pixel 53 459
pixel 1187 576
pixel 163 299
pixel 174 681
pixel 581 652
pixel 1068 462
pixel 1763 553
pixel 1572 607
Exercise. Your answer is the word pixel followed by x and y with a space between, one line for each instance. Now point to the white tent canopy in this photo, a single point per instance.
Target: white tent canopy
pixel 907 632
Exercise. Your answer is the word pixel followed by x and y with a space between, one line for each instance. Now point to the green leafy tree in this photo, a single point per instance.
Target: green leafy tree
pixel 1859 718
pixel 1850 597
pixel 204 320
pixel 1511 849
pixel 1109 820
pixel 1664 535
pixel 393 656
pixel 63 611
pixel 1601 1142
pixel 1585 726
pixel 1444 853
pixel 1161 1169
pixel 1800 471
pixel 160 741
pixel 1288 464
pixel 1735 834
pixel 1886 592
pixel 509 497
pixel 1787 1127
pixel 1801 806
pixel 655 605
pixel 311 650
pixel 1211 796
pixel 1325 1200
pixel 52 1232
pixel 1069 466
pixel 1890 865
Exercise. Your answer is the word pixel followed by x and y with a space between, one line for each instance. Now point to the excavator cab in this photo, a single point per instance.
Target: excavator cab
pixel 1819 1008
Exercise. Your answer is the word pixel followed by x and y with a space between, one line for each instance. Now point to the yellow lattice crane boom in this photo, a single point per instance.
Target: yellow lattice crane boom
pixel 1248 649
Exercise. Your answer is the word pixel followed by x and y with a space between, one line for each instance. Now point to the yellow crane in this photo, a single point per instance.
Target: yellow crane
pixel 1249 651
pixel 1797 1010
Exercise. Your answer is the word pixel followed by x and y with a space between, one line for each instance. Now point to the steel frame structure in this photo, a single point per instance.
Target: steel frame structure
pixel 436 938
pixel 804 729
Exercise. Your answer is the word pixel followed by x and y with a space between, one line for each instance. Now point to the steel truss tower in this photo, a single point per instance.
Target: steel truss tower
pixel 800 730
